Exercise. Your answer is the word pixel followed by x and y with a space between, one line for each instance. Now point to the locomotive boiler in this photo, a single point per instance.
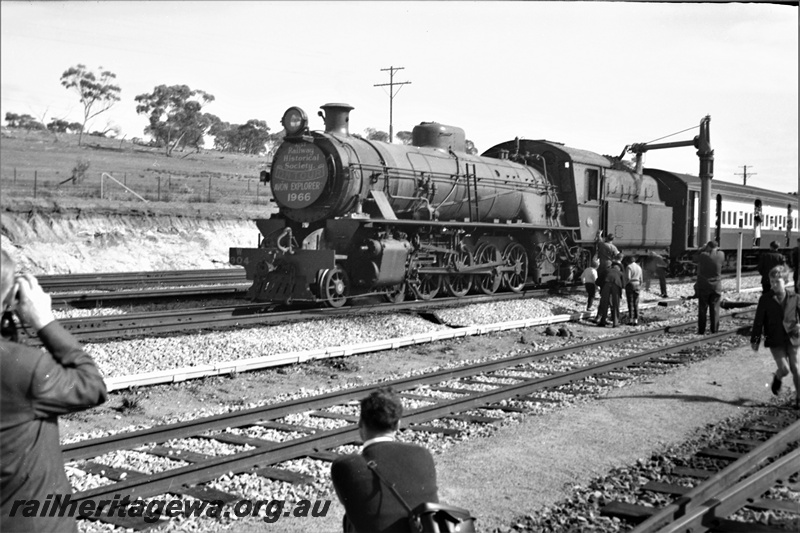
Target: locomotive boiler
pixel 358 217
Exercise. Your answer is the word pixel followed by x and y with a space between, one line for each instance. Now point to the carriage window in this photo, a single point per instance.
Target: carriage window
pixel 591 183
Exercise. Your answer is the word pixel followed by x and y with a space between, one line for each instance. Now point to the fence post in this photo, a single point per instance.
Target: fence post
pixel 169 182
pixel 258 187
pixel 102 180
pixel 209 189
pixel 125 179
pixel 159 188
pixel 35 172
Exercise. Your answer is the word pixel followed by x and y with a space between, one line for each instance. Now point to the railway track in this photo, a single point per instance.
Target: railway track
pixel 438 402
pixel 752 471
pixel 117 288
pixel 121 280
pixel 180 321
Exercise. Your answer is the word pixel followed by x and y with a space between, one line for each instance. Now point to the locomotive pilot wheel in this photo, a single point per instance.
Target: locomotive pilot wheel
pixel 458 285
pixel 516 258
pixel 334 287
pixel 489 283
pixel 396 294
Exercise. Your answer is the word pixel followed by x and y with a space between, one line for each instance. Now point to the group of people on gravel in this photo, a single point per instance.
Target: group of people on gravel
pixel 376 486
pixel 777 317
pixel 612 273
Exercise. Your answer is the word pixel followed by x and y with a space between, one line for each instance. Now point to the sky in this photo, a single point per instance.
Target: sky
pixel 593 75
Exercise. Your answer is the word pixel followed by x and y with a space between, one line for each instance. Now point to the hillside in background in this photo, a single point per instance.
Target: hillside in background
pixel 38 166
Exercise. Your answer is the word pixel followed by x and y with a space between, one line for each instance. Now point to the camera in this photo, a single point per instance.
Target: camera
pixel 8 327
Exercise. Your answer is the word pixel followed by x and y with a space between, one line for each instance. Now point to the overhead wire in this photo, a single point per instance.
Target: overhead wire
pixel 671 134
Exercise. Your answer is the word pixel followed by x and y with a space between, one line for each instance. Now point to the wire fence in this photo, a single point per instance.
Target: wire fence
pixel 123 186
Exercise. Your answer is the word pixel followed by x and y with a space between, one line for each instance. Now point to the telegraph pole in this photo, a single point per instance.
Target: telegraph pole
pixel 391 85
pixel 745 174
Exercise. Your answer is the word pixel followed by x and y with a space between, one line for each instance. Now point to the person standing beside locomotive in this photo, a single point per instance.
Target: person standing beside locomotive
pixel 633 282
pixel 796 256
pixel 709 286
pixel 766 262
pixel 655 265
pixel 606 252
pixel 610 295
pixel 589 279
pixel 777 317
pixel 35 387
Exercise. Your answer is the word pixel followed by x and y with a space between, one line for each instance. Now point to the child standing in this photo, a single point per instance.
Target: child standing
pixel 633 282
pixel 589 279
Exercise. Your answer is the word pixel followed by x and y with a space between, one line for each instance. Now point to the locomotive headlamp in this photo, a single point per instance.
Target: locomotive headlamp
pixel 294 121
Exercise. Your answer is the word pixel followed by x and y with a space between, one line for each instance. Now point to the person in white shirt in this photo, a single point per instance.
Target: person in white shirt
pixel 633 283
pixel 589 279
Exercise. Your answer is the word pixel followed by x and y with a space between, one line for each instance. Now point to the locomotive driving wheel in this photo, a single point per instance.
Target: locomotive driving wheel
pixel 489 283
pixel 515 257
pixel 427 286
pixel 334 287
pixel 458 285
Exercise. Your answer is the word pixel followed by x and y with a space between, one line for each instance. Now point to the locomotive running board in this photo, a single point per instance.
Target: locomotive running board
pixel 467 224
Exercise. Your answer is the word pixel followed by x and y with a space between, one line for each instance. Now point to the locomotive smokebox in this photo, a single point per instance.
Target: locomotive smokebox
pixel 337 118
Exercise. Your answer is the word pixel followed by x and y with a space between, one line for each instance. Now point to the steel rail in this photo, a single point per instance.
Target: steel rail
pixel 117 326
pixel 137 279
pixel 695 504
pixel 709 515
pixel 83 299
pixel 160 483
pixel 94 447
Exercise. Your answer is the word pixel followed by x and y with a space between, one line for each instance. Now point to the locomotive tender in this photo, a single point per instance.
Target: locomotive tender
pixel 362 218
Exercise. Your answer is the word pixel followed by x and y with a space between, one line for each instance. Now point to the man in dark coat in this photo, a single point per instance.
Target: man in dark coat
pixel 796 256
pixel 35 387
pixel 610 295
pixel 655 266
pixel 709 286
pixel 766 262
pixel 606 252
pixel 370 506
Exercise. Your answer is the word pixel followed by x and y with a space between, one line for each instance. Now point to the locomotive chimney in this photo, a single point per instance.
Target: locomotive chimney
pixel 337 118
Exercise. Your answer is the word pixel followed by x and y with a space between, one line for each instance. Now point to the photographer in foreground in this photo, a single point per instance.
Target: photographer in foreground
pixel 35 387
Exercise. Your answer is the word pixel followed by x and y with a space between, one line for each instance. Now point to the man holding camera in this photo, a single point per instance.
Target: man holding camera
pixel 35 387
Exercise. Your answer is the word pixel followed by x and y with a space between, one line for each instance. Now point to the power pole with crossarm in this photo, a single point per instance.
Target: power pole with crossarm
pixel 745 174
pixel 391 85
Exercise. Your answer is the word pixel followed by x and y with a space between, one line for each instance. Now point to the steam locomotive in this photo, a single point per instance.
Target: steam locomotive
pixel 361 218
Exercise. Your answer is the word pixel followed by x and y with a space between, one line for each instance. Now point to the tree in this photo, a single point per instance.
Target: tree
pixel 97 92
pixel 250 138
pixel 23 122
pixel 58 126
pixel 376 135
pixel 253 136
pixel 404 136
pixel 175 114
